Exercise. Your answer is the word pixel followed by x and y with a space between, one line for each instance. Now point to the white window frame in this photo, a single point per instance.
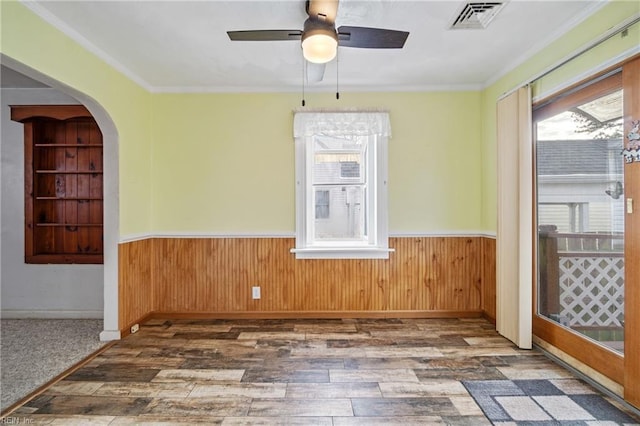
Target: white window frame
pixel 375 125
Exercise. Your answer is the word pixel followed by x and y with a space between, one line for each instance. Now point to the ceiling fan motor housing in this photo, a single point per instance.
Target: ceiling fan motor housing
pixel 319 40
pixel 313 26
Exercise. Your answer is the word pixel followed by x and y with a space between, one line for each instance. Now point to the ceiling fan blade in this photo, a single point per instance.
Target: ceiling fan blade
pixel 315 72
pixel 371 38
pixel 325 10
pixel 265 35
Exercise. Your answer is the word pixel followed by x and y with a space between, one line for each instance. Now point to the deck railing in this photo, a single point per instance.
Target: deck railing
pixel 581 278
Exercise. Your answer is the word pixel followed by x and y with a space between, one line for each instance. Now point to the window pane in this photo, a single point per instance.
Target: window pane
pixel 322 204
pixel 580 184
pixel 340 213
pixel 338 168
pixel 332 143
pixel 339 160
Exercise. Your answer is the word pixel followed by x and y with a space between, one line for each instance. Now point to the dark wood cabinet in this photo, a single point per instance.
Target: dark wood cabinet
pixel 63 184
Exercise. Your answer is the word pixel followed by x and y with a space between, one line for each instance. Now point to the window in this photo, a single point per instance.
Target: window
pixel 341 184
pixel 63 184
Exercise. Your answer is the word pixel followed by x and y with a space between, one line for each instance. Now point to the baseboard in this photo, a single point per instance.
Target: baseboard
pixel 127 330
pixel 124 332
pixel 488 317
pixel 314 314
pixel 50 314
pixel 109 335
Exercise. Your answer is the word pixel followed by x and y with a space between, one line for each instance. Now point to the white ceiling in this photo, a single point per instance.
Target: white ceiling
pixel 182 46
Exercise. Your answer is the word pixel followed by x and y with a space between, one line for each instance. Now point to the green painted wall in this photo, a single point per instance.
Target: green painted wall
pixel 28 39
pixel 609 16
pixel 224 163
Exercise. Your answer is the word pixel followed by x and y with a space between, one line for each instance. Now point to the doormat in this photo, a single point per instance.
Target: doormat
pixel 545 402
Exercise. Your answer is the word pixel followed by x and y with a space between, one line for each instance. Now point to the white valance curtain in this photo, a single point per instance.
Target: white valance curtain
pixel 336 123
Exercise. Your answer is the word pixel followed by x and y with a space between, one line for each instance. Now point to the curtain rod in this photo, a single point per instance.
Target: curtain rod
pixel 340 110
pixel 612 32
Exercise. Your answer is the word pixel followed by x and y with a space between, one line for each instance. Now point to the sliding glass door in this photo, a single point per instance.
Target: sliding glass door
pixel 587 227
pixel 580 211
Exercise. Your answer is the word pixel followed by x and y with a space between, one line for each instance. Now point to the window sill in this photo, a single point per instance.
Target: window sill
pixel 342 253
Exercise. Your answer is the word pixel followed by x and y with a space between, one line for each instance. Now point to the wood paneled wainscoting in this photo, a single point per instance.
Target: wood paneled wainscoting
pixel 199 277
pixel 135 282
pixel 489 278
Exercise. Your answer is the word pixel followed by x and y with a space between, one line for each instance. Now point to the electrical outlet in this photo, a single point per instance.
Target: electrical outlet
pixel 256 292
pixel 135 328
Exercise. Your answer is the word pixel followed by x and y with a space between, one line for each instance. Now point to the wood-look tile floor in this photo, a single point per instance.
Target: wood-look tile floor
pixel 323 372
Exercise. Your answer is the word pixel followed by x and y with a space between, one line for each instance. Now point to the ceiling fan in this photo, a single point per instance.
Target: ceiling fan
pixel 320 38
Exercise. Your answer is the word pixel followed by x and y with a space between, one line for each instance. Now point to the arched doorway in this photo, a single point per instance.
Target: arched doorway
pixel 111 191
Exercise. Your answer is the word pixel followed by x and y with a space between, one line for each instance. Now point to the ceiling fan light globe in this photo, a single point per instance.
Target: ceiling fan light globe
pixel 319 48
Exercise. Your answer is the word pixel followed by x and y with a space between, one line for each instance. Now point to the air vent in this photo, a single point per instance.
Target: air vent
pixel 477 15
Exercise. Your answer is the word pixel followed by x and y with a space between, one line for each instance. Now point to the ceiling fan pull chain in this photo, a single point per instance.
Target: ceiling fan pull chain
pixel 337 74
pixel 304 66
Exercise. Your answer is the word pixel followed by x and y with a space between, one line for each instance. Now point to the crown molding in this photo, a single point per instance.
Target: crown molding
pixel 324 89
pixel 53 20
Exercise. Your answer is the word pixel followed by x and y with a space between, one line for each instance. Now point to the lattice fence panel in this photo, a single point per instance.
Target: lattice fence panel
pixel 592 290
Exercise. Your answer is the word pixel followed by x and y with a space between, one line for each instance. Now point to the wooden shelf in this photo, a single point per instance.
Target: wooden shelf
pixel 67 258
pixel 67 145
pixel 23 113
pixel 63 153
pixel 79 225
pixel 69 172
pixel 52 198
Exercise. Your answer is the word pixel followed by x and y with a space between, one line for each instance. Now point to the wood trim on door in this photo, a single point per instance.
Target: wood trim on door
pixel 631 87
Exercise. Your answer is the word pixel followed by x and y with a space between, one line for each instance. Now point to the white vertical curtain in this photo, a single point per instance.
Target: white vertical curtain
pixel 514 257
